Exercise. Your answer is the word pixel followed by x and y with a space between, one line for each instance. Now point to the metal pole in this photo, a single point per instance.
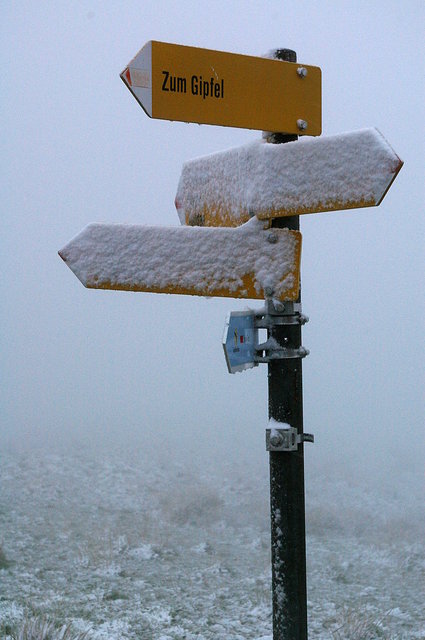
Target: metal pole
pixel 287 504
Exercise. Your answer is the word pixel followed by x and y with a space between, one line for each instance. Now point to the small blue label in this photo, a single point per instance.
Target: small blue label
pixel 239 341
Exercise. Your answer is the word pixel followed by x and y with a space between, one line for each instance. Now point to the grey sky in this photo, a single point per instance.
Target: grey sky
pixel 77 148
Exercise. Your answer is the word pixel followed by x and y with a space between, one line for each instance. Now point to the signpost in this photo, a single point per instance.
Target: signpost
pixel 344 171
pixel 175 82
pixel 236 263
pixel 263 187
pixel 286 468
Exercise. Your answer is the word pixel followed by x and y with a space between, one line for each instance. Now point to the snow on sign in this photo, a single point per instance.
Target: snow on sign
pixel 246 262
pixel 175 82
pixel 310 175
pixel 239 341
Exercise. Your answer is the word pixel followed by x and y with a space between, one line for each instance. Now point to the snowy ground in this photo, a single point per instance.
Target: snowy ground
pixel 129 545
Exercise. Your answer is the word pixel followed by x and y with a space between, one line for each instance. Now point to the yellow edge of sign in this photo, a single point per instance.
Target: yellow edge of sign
pixel 219 217
pixel 248 289
pixel 319 207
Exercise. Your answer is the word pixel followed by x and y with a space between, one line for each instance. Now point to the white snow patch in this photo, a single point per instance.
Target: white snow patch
pixel 157 616
pixel 144 552
pixel 110 570
pixel 275 424
pixel 203 547
pixel 110 630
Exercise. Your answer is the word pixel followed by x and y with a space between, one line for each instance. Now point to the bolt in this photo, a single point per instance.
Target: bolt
pixel 303 352
pixel 268 291
pixel 302 125
pixel 276 439
pixel 278 306
pixel 302 72
pixel 272 237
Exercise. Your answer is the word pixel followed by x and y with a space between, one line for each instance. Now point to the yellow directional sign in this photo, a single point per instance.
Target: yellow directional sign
pixel 175 82
pixel 343 171
pixel 247 262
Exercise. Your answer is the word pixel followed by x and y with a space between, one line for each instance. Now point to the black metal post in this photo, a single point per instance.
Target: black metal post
pixel 287 503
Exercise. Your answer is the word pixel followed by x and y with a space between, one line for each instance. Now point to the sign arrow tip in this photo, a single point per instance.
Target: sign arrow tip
pixel 126 77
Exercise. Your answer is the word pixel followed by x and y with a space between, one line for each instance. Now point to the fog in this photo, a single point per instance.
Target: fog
pixel 113 366
pixel 142 377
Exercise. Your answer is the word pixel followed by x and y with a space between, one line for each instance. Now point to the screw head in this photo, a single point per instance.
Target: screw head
pixel 276 439
pixel 302 72
pixel 268 291
pixel 302 125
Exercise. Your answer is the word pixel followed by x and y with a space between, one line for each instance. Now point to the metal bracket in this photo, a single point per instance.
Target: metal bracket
pixel 240 337
pixel 286 439
pixel 279 353
pixel 276 313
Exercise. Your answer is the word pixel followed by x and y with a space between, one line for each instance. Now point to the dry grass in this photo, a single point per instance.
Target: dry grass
pixel 358 625
pixel 39 629
pixel 4 562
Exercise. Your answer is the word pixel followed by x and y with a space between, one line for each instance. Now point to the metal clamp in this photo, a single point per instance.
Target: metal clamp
pixel 241 335
pixel 286 439
pixel 276 313
pixel 279 353
pixel 269 321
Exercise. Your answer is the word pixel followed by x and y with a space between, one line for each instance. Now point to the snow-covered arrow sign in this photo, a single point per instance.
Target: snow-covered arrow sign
pixel 247 262
pixel 272 180
pixel 175 82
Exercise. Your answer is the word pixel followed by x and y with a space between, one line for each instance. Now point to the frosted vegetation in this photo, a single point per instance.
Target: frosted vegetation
pixel 116 545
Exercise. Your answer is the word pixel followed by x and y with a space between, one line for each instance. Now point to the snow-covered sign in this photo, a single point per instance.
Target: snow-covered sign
pixel 240 339
pixel 247 262
pixel 271 180
pixel 175 82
